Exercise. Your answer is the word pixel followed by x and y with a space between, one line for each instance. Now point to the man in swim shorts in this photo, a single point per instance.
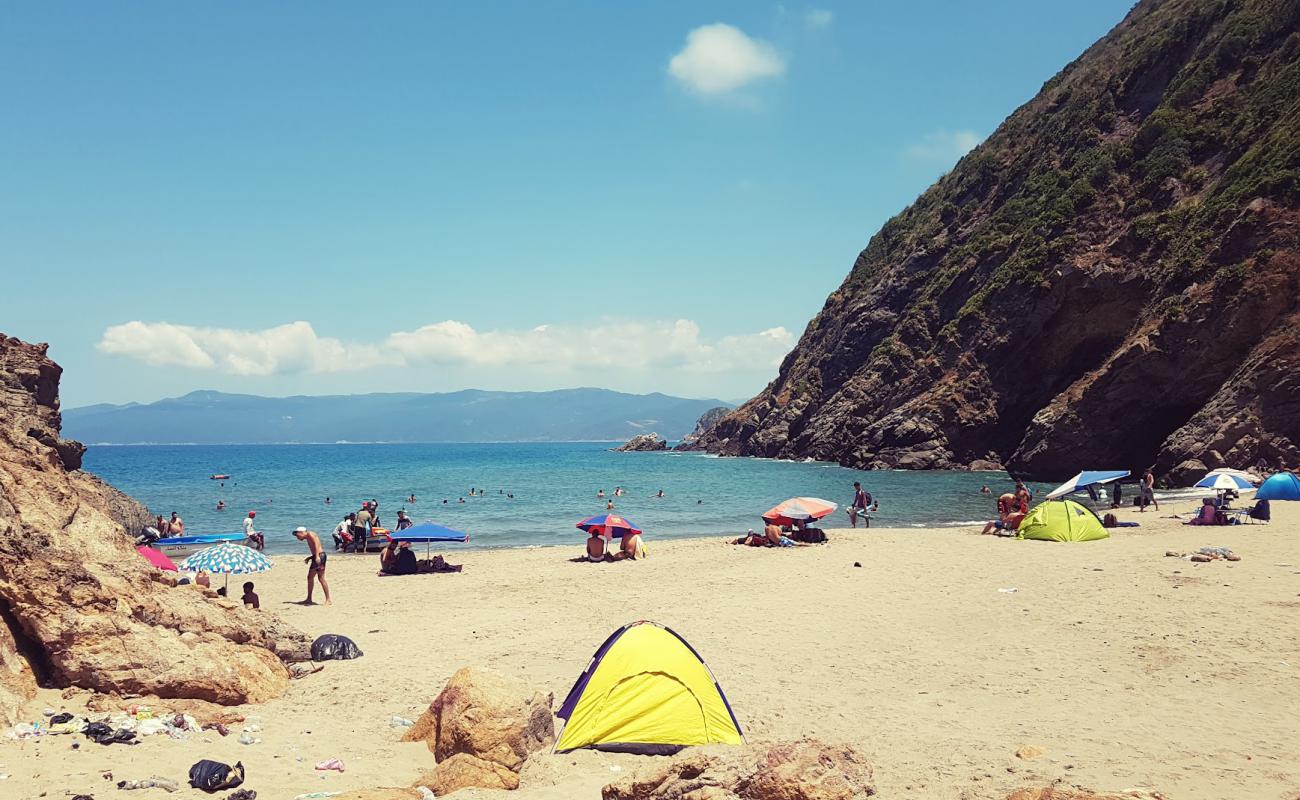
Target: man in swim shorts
pixel 315 562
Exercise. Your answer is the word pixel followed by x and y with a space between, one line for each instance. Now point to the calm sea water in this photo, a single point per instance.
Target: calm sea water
pixel 554 486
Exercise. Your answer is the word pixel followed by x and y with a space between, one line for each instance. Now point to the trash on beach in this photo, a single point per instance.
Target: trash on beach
pixel 242 794
pixel 213 776
pixel 1010 590
pixel 150 783
pixel 316 795
pixel 102 733
pixel 400 722
pixel 297 671
pixel 332 764
pixel 248 738
pixel 332 646
pixel 426 793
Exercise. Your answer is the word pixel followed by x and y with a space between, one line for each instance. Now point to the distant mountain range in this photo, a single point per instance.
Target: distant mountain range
pixel 207 417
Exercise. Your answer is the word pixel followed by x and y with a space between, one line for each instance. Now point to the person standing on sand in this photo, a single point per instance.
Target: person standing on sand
pixel 861 502
pixel 1148 491
pixel 315 563
pixel 258 541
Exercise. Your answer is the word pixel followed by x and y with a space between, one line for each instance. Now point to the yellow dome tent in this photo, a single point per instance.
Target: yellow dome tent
pixel 1062 521
pixel 646 691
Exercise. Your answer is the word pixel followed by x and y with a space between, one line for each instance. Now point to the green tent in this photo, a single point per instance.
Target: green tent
pixel 1062 521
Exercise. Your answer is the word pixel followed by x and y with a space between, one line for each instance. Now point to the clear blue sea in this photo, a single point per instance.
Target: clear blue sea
pixel 554 486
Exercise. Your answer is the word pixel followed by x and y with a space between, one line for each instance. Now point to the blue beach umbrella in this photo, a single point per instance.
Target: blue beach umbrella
pixel 1282 486
pixel 227 559
pixel 1223 480
pixel 428 532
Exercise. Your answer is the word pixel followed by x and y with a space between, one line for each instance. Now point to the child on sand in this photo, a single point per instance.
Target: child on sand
pixel 250 597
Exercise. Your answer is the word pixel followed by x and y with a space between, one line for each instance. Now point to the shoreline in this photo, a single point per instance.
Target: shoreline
pixel 1128 667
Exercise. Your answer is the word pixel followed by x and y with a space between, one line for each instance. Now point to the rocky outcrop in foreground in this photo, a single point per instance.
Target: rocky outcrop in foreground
pixel 802 770
pixel 645 442
pixel 1111 280
pixel 481 728
pixel 78 605
pixel 707 422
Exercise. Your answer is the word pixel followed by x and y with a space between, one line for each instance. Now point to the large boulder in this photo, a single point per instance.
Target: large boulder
pixel 801 770
pixel 488 715
pixel 86 609
pixel 645 442
pixel 464 771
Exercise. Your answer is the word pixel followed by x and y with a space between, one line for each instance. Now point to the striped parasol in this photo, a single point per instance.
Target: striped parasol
pixel 228 559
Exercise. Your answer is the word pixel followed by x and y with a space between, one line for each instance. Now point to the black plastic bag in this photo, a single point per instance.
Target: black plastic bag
pixel 59 719
pixel 213 776
pixel 101 733
pixel 331 647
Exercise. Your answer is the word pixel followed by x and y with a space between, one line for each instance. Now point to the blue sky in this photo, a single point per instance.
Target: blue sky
pixel 328 197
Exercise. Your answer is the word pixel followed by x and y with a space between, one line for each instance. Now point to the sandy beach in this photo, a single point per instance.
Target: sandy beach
pixel 1129 668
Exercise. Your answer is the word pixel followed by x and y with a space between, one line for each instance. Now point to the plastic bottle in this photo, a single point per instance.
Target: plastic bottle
pixel 400 722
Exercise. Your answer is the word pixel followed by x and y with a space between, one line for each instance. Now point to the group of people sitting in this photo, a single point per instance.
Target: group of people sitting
pixel 1216 511
pixel 397 558
pixel 773 535
pixel 1012 508
pixel 631 548
pixel 354 530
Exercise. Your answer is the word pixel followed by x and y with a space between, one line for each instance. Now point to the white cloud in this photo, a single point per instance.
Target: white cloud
pixel 818 19
pixel 604 344
pixel 282 350
pixel 719 58
pixel 944 146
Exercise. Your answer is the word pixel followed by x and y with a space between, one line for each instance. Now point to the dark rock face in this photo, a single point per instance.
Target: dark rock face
pixel 707 422
pixel 1111 280
pixel 645 442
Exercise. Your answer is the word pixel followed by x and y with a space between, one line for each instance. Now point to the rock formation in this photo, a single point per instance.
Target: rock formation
pixel 802 770
pixel 707 422
pixel 1112 279
pixel 481 728
pixel 79 604
pixel 645 442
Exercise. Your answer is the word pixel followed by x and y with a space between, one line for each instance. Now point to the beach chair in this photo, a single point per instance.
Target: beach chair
pixel 1258 512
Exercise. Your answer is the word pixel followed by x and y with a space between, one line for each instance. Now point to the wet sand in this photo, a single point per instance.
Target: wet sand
pixel 1130 668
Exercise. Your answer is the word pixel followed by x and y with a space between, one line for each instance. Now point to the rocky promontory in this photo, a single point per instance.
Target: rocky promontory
pixel 707 422
pixel 78 605
pixel 645 442
pixel 1112 279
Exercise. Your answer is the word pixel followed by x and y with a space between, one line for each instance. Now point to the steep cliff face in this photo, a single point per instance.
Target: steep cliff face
pixel 1111 279
pixel 707 422
pixel 78 605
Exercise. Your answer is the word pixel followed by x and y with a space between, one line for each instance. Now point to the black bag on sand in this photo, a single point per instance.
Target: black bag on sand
pixel 332 647
pixel 213 776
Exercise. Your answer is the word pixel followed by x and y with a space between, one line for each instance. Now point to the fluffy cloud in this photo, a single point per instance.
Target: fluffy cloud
pixel 719 58
pixel 818 19
pixel 282 350
pixel 295 348
pixel 944 146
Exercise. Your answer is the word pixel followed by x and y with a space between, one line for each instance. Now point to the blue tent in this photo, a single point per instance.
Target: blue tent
pixel 1282 486
pixel 1085 479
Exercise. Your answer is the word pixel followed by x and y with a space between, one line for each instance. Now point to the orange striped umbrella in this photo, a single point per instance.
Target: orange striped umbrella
pixel 798 509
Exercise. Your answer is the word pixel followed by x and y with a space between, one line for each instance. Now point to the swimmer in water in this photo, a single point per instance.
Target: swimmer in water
pixel 661 493
pixel 462 500
pixel 411 499
pixel 609 506
pixel 600 495
pixel 221 505
pixel 327 501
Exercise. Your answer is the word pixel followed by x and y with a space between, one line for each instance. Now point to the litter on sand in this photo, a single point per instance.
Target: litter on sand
pixel 1011 590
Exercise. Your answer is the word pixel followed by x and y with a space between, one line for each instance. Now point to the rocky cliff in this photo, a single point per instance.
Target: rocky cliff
pixel 644 442
pixel 78 605
pixel 707 422
pixel 1112 279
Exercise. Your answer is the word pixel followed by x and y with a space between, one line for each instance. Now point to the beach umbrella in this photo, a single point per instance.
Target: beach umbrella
pixel 1282 486
pixel 799 509
pixel 1085 479
pixel 611 526
pixel 428 532
pixel 1223 480
pixel 227 559
pixel 156 558
pixel 1240 473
